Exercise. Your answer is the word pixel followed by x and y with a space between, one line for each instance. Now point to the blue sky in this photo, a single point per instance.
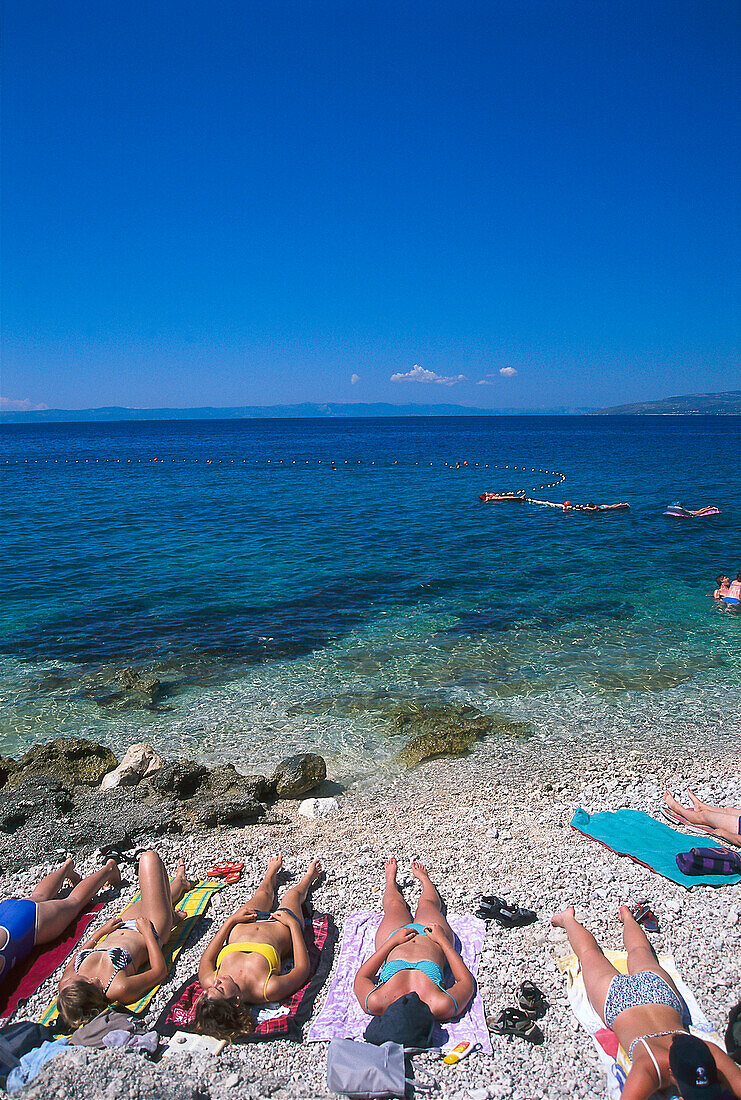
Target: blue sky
pixel 231 203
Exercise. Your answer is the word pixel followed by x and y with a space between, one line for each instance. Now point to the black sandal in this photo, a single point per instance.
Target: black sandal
pixel 532 1000
pixel 510 916
pixel 511 1021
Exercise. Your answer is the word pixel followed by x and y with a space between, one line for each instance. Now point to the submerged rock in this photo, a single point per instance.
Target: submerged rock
pixel 449 731
pixel 296 775
pixel 73 760
pixel 429 745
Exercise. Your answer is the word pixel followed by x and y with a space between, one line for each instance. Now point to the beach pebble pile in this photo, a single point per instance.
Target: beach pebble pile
pixel 494 822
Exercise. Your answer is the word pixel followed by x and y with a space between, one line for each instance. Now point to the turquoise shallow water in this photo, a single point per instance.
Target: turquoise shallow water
pixel 285 605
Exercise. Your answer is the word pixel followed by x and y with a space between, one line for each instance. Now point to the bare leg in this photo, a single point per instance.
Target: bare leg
pixel 598 971
pixel 50 886
pixel 54 915
pixel 723 820
pixel 264 896
pixel 157 895
pixel 294 898
pixel 429 907
pixel 640 953
pixel 395 910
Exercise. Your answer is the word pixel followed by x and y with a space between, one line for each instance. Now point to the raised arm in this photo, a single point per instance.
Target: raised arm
pixel 207 965
pixel 365 978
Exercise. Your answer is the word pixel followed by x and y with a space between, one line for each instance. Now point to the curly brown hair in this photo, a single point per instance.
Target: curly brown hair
pixel 223 1018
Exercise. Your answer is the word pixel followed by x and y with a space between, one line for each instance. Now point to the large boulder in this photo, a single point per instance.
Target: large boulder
pixel 73 760
pixel 182 779
pixel 227 798
pixel 296 775
pixel 138 762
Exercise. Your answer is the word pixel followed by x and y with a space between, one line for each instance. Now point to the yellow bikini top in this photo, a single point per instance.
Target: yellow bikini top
pixel 267 951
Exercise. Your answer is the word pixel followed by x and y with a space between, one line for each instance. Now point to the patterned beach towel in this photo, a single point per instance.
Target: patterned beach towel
pixel 645 840
pixel 613 1058
pixel 284 1021
pixel 29 975
pixel 194 904
pixel 343 1018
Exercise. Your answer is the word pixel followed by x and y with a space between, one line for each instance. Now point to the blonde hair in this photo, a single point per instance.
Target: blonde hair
pixel 80 1002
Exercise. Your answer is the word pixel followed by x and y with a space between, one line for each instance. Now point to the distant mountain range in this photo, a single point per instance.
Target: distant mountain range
pixel 265 412
pixel 699 404
pixel 695 404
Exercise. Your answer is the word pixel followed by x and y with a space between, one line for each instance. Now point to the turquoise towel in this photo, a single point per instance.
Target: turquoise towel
pixel 634 834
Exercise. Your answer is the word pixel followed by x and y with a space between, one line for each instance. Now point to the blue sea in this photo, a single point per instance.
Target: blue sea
pixel 285 605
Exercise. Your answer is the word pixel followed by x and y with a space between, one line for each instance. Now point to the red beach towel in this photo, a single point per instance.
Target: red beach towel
pixel 29 975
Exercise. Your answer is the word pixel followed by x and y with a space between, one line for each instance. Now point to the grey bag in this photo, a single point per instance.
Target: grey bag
pixel 361 1070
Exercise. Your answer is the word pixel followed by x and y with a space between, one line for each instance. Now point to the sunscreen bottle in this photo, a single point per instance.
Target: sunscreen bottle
pixel 459 1051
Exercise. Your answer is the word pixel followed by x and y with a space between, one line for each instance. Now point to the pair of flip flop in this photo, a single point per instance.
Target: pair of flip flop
pixel 230 872
pixel 644 915
pixel 504 913
pixel 520 1021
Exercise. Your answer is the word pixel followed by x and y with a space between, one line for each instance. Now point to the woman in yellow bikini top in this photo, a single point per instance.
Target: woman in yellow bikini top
pixel 242 965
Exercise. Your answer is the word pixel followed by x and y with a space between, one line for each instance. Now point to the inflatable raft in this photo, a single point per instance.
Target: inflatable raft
pixel 676 509
pixel 489 498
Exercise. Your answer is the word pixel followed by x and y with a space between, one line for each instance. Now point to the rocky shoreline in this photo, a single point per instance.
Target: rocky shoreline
pixel 495 821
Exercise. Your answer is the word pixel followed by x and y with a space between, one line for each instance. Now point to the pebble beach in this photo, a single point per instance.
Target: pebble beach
pixel 496 821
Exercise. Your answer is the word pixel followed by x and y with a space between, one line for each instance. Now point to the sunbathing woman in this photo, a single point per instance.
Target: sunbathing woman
pixel 410 958
pixel 642 1007
pixel 241 967
pixel 26 923
pixel 721 821
pixel 97 976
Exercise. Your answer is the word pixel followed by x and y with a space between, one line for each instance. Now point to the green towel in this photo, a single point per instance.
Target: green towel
pixel 642 838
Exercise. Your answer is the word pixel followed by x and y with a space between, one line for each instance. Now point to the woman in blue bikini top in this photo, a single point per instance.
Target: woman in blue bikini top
pixel 411 956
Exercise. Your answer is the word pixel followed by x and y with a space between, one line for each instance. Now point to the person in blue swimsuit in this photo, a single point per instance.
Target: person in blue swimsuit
pixel 411 958
pixel 26 923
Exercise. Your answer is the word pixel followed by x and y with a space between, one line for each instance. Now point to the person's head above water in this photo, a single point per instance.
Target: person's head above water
pixel 721 580
pixel 407 1020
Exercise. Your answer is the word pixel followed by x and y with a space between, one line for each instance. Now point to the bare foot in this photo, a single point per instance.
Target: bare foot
pixel 697 804
pixel 391 869
pixel 114 875
pixel 559 920
pixel 181 883
pixel 676 807
pixel 313 873
pixel 419 870
pixel 275 866
pixel 70 874
pixel 625 914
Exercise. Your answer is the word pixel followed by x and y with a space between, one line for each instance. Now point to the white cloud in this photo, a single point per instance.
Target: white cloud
pixel 490 379
pixel 419 374
pixel 8 404
pixel 354 379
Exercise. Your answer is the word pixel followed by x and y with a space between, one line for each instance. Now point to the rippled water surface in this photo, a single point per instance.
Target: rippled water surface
pixel 284 605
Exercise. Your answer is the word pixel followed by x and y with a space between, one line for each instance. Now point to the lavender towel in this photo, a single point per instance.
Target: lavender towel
pixel 342 1017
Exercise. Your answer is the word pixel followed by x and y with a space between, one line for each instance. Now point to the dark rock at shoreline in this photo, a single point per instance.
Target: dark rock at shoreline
pixel 7 766
pixel 40 796
pixel 296 775
pixel 52 803
pixel 73 760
